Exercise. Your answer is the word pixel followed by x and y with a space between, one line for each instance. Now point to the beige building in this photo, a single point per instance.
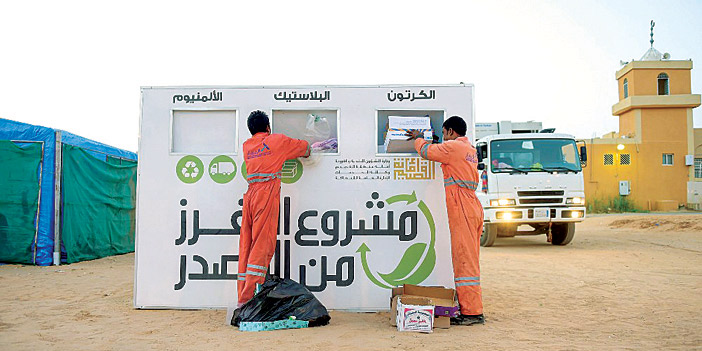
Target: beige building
pixel 654 160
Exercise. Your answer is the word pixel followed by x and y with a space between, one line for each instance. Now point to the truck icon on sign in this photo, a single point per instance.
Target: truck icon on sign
pixel 225 168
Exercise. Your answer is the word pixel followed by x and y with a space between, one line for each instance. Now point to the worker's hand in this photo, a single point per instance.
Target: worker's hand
pixel 413 134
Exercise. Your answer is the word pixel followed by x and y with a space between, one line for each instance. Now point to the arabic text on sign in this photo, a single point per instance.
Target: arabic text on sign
pixel 411 96
pixel 295 96
pixel 189 99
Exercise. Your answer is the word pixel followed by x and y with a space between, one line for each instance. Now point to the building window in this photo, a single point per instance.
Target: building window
pixel 698 168
pixel 663 87
pixel 626 88
pixel 608 159
pixel 667 159
pixel 625 159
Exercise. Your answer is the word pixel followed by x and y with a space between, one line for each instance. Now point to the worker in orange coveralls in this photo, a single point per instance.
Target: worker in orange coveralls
pixel 465 213
pixel 264 155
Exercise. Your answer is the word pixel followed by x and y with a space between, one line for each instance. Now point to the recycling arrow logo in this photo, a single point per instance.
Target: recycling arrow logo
pixel 189 169
pixel 416 263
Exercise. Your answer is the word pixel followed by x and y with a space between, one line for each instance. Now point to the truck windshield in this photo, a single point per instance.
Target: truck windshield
pixel 534 155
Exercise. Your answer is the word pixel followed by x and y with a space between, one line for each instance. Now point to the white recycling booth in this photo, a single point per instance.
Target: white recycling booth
pixel 354 222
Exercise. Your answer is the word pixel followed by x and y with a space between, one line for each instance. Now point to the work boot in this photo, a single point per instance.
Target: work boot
pixel 465 319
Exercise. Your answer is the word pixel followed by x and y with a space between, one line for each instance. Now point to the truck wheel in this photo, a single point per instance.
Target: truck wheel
pixel 562 233
pixel 489 235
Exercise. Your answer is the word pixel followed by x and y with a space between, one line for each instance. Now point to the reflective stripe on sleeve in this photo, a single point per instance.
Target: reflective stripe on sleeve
pixel 424 151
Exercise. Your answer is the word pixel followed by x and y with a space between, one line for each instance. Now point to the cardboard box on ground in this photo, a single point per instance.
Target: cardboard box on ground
pixel 415 314
pixel 398 126
pixel 440 300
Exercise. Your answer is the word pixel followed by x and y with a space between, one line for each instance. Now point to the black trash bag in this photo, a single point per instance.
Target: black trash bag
pixel 279 299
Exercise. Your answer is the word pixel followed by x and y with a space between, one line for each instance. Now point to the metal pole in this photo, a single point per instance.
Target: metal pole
pixel 36 219
pixel 57 200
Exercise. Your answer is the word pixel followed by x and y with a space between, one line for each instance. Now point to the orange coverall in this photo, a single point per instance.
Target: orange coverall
pixel 264 155
pixel 465 214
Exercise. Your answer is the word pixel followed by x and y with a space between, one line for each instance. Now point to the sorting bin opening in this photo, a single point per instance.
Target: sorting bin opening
pixel 294 123
pixel 436 118
pixel 204 132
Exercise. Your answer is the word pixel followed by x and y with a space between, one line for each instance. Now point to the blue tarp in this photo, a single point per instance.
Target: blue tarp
pixel 18 131
pixel 95 148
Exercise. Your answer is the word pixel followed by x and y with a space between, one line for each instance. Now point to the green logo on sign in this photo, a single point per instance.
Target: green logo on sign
pixel 189 169
pixel 291 172
pixel 409 270
pixel 222 169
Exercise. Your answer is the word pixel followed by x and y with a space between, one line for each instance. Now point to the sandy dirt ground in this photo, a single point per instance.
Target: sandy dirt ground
pixel 626 282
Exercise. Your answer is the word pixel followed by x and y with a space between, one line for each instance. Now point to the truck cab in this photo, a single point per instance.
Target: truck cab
pixel 532 181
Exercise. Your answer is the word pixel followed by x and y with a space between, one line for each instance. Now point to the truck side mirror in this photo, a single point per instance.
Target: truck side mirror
pixel 482 152
pixel 481 166
pixel 583 155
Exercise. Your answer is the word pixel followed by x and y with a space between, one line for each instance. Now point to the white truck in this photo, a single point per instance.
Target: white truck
pixel 532 181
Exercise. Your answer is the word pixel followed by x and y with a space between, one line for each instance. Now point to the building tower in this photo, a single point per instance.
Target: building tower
pixel 653 153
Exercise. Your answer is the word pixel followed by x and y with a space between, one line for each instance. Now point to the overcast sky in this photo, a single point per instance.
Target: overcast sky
pixel 78 66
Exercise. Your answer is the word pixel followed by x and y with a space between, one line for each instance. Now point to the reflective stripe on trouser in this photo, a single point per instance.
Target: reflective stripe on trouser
pixel 465 215
pixel 259 224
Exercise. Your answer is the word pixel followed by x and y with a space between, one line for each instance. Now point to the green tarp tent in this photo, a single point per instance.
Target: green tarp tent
pixel 96 204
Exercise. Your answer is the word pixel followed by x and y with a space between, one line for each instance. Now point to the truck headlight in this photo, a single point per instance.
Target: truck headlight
pixel 575 201
pixel 503 202
pixel 508 215
pixel 572 214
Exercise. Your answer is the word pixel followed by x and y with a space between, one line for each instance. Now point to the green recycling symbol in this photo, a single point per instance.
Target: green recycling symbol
pixel 189 169
pixel 409 270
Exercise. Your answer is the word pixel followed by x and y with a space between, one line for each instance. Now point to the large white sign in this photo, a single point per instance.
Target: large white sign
pixel 353 222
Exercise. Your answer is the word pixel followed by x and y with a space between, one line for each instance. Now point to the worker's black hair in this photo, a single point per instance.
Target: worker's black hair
pixel 457 124
pixel 258 122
